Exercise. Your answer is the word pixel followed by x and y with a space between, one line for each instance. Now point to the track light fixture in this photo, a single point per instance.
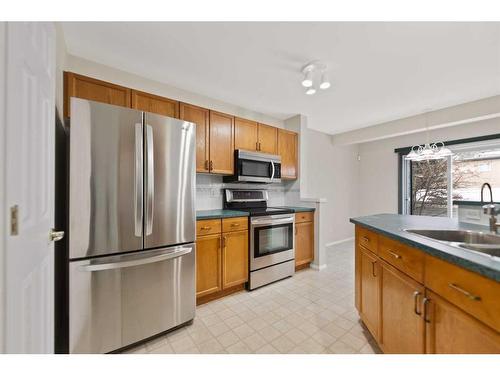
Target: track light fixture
pixel 312 69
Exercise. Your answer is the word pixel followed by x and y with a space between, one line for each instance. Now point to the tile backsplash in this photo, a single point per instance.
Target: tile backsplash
pixel 209 190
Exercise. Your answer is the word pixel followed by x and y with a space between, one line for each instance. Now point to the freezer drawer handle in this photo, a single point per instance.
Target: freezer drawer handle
pixel 180 251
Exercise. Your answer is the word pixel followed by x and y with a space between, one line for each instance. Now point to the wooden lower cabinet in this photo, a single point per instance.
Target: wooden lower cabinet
pixel 449 310
pixel 370 291
pixel 449 330
pixel 234 258
pixel 402 326
pixel 304 243
pixel 221 258
pixel 208 264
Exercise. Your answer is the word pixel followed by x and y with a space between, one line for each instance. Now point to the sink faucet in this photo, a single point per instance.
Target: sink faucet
pixel 491 209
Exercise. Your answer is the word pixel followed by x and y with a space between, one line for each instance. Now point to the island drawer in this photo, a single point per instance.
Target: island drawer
pixel 302 217
pixel 210 226
pixel 367 239
pixel 469 291
pixel 405 258
pixel 234 224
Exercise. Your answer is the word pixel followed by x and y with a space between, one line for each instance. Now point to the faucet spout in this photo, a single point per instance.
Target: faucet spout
pixel 490 209
pixel 482 190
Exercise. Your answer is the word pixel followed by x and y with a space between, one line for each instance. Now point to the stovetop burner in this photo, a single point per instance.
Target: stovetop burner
pixel 253 201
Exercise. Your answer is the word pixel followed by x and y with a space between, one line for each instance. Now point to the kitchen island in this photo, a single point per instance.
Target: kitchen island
pixel 419 295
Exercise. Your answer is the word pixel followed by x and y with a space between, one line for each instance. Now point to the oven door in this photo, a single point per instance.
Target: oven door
pixel 257 167
pixel 271 240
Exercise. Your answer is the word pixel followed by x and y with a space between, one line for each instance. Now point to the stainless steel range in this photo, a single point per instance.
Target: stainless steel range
pixel 272 244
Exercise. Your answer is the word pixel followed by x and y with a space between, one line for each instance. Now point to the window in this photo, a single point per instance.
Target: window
pixel 431 187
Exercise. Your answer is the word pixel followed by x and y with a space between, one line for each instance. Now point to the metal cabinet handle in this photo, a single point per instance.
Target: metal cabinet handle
pixel 206 228
pixel 56 235
pixel 257 146
pixel 464 292
pixel 211 167
pixel 395 255
pixel 373 269
pixel 425 302
pixel 235 224
pixel 416 294
pixel 366 239
pixel 207 165
pixel 224 239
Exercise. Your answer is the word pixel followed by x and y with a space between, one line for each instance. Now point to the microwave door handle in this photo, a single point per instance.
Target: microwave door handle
pixel 273 170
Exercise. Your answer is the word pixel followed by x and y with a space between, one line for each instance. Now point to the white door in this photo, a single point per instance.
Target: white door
pixel 29 186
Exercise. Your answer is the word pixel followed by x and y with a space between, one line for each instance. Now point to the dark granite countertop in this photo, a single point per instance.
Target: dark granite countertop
pixel 218 214
pixel 301 209
pixel 392 225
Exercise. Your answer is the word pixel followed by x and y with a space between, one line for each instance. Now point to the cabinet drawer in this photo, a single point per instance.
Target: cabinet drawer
pixel 204 227
pixel 234 224
pixel 475 294
pixel 407 259
pixel 301 217
pixel 367 239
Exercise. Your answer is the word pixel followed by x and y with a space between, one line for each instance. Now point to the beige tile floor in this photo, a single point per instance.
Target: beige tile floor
pixel 312 312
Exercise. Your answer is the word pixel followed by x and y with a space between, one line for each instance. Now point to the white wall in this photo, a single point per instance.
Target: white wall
pixel 332 173
pixel 378 168
pixel 3 79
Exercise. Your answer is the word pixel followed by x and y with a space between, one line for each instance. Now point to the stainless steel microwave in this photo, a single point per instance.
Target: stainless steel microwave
pixel 256 167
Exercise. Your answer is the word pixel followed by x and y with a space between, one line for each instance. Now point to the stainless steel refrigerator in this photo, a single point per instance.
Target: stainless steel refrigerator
pixel 131 226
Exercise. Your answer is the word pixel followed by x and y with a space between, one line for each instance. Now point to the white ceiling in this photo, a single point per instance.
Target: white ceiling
pixel 379 71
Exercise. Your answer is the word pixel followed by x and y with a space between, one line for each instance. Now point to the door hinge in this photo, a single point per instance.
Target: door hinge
pixel 14 220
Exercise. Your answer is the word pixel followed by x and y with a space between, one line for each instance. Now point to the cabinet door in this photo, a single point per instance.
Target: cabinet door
pixel 268 139
pixel 200 116
pixel 370 291
pixel 403 328
pixel 208 265
pixel 304 243
pixel 155 104
pixel 245 135
pixel 234 258
pixel 287 149
pixel 93 89
pixel 221 143
pixel 450 330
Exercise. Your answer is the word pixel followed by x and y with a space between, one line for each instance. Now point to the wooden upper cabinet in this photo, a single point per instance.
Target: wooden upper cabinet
pixel 154 104
pixel 403 328
pixel 245 135
pixel 200 116
pixel 450 330
pixel 287 149
pixel 268 139
pixel 76 85
pixel 221 143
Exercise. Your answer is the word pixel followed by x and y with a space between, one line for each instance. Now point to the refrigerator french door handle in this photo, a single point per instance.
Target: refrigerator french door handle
pixel 171 254
pixel 150 183
pixel 139 180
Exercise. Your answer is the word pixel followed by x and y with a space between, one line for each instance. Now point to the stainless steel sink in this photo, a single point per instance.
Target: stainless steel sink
pixel 480 242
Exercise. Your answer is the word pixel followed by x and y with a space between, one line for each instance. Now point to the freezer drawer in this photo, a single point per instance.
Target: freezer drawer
pixel 118 300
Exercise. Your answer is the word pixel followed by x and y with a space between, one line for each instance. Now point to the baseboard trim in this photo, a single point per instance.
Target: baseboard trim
pixel 339 242
pixel 318 268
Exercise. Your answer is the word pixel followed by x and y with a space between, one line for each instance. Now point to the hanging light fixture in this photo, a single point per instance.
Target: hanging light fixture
pixel 308 79
pixel 429 151
pixel 325 82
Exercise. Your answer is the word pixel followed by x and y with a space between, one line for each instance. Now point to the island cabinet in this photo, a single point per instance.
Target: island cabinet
pixel 413 302
pixel 304 239
pixel 221 257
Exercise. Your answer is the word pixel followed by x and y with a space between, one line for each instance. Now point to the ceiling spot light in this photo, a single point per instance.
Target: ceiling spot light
pixel 325 82
pixel 311 73
pixel 308 79
pixel 311 91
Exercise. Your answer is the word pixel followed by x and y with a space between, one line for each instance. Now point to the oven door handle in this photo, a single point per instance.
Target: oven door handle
pixel 271 222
